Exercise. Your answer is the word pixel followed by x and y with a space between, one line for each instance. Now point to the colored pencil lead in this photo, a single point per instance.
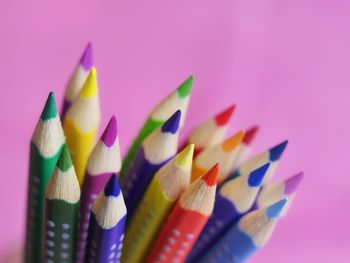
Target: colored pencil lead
pixel 77 79
pixel 176 100
pixel 45 148
pixel 156 150
pixel 223 117
pixel 103 161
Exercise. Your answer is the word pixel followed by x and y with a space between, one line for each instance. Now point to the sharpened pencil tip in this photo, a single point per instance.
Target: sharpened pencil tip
pixel 256 176
pixel 274 210
pixel 172 124
pixel 89 88
pixel 223 117
pixel 65 160
pixel 292 183
pixel 276 151
pixel 250 135
pixel 50 109
pixel 184 158
pixel 233 142
pixel 86 59
pixel 185 88
pixel 210 177
pixel 112 187
pixel 110 133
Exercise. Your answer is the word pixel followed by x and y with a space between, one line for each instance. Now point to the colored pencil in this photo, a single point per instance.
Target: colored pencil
pixel 45 148
pixel 233 199
pixel 62 196
pixel 176 100
pixel 224 153
pixel 250 234
pixel 210 132
pixel 103 161
pixel 245 147
pixel 77 79
pixel 166 186
pixel 107 222
pixel 278 191
pixel 271 155
pixel 186 220
pixel 81 124
pixel 156 150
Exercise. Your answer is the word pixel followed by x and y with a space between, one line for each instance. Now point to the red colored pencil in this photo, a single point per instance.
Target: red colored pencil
pixel 186 220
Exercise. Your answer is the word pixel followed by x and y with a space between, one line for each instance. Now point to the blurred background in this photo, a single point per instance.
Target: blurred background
pixel 285 63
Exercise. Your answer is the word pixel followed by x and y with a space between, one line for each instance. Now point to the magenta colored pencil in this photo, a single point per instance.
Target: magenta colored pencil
pixel 103 162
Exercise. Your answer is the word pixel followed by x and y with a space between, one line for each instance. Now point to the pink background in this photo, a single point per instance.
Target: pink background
pixel 285 63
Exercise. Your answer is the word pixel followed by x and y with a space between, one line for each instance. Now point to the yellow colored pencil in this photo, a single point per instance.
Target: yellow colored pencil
pixel 81 124
pixel 165 188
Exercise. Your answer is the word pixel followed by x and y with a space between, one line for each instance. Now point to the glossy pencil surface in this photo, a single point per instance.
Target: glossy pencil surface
pixel 45 148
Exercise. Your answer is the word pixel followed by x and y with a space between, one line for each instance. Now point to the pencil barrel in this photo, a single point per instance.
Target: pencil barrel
pixel 177 236
pixel 145 223
pixel 137 180
pixel 224 216
pixel 104 245
pixel 40 170
pixel 80 145
pixel 235 246
pixel 60 228
pixel 92 186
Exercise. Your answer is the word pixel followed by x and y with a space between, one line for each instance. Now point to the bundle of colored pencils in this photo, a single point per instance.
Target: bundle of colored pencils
pixel 204 201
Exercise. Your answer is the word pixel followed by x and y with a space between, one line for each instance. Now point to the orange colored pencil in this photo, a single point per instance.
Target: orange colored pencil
pixel 186 220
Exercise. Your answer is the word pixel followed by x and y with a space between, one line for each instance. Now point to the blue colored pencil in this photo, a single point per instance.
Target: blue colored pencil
pixel 233 199
pixel 272 193
pixel 271 155
pixel 107 221
pixel 156 150
pixel 250 234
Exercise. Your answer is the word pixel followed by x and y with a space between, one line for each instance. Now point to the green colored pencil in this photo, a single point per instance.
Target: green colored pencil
pixel 62 197
pixel 177 100
pixel 45 148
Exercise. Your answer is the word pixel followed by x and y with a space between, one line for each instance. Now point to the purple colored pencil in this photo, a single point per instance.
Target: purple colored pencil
pixel 277 191
pixel 77 79
pixel 156 150
pixel 233 199
pixel 107 222
pixel 104 160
